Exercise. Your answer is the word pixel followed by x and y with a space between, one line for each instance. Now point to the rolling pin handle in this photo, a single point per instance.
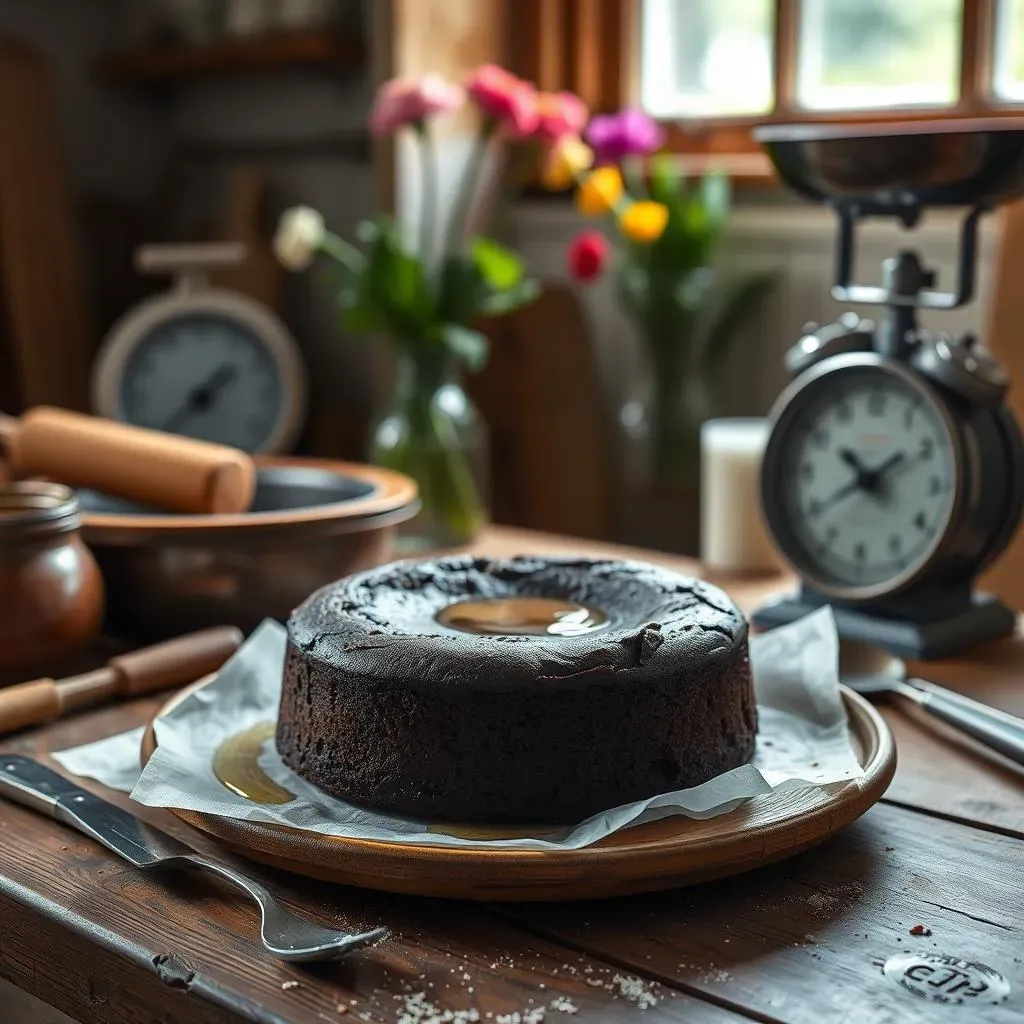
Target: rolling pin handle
pixel 28 704
pixel 175 662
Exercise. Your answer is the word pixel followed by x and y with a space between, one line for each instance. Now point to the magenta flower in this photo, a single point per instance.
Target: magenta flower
pixel 629 133
pixel 408 101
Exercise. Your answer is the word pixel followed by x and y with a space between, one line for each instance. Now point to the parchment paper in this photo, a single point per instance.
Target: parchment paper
pixel 803 742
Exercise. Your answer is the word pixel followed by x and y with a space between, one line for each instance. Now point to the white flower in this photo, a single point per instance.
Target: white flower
pixel 299 234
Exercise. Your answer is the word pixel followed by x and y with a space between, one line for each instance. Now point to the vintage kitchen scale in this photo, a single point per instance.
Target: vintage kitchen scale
pixel 894 472
pixel 202 361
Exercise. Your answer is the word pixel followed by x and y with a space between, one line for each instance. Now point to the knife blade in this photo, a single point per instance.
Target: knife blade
pixel 284 935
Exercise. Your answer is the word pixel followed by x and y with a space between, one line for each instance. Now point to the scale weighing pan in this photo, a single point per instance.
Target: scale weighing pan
pixel 969 162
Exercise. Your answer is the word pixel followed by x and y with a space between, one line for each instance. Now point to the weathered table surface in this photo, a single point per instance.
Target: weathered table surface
pixel 801 941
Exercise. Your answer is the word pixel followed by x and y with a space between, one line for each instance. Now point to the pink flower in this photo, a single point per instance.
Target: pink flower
pixel 504 98
pixel 560 114
pixel 629 133
pixel 408 101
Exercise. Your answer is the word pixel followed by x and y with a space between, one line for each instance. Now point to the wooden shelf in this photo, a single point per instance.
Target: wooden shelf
pixel 168 65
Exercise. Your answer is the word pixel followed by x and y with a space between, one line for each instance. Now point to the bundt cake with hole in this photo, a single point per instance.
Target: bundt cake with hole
pixel 535 690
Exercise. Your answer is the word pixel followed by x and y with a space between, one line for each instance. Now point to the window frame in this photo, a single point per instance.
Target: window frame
pixel 591 48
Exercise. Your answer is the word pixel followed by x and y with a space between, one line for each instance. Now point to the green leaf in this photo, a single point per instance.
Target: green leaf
pixel 462 290
pixel 666 178
pixel 365 320
pixel 395 285
pixel 741 300
pixel 468 345
pixel 501 268
pixel 508 301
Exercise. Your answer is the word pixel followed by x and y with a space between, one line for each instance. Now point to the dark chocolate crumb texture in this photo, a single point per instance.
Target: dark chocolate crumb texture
pixel 639 684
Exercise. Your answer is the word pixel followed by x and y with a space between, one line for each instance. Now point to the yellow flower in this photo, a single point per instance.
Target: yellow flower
pixel 599 192
pixel 564 162
pixel 644 221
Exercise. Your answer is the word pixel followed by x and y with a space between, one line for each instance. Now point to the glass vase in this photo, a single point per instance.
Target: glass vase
pixel 659 424
pixel 431 431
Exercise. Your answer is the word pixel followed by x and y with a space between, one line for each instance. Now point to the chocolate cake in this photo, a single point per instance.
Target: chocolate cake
pixel 529 690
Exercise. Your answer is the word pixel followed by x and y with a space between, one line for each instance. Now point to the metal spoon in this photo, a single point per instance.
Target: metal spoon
pixel 868 672
pixel 283 935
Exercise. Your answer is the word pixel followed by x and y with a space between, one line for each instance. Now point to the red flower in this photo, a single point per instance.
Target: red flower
pixel 588 255
pixel 505 98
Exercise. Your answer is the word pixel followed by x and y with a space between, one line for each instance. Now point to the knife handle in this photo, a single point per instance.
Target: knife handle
pixel 32 784
pixel 27 782
pixel 994 728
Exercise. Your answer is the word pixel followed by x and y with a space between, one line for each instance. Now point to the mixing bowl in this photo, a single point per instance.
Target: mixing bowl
pixel 312 522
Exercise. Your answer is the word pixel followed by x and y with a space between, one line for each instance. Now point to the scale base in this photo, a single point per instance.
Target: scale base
pixel 980 618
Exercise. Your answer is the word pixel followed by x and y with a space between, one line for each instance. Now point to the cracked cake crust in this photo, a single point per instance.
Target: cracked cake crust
pixel 385 707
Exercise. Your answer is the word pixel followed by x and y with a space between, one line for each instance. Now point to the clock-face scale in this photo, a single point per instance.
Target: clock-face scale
pixel 867 478
pixel 204 376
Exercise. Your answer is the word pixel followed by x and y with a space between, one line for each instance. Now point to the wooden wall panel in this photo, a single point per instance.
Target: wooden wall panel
pixel 1004 337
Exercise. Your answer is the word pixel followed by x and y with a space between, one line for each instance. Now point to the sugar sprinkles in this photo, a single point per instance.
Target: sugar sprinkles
pixel 418 1009
pixel 635 990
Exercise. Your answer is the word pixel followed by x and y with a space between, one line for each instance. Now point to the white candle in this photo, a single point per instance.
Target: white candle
pixel 732 533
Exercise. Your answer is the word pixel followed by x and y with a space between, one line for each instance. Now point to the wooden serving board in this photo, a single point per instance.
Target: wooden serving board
pixel 659 855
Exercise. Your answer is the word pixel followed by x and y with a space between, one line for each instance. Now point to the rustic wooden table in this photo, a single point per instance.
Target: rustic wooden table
pixel 800 942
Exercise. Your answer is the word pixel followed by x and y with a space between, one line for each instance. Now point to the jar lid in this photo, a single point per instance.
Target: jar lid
pixel 33 507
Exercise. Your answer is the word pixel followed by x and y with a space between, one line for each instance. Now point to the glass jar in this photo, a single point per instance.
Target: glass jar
pixel 431 431
pixel 51 590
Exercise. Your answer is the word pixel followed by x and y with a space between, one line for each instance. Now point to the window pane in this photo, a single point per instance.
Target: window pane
pixel 1008 81
pixel 879 53
pixel 706 58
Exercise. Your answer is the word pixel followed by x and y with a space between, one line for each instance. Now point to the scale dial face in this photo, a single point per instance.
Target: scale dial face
pixel 204 376
pixel 206 363
pixel 865 474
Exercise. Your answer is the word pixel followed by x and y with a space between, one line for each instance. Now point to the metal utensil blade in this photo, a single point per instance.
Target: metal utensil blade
pixel 28 782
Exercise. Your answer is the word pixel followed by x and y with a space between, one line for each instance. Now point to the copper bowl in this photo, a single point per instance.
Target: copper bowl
pixel 312 522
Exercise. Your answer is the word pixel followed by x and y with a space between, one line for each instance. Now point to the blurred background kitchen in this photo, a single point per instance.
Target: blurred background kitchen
pixel 130 122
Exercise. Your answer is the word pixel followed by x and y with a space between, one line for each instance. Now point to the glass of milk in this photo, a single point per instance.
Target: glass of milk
pixel 733 538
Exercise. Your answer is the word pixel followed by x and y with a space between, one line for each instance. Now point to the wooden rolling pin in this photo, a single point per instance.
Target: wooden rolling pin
pixel 179 474
pixel 173 663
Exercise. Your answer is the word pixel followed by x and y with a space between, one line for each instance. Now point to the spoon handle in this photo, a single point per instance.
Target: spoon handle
pixel 996 729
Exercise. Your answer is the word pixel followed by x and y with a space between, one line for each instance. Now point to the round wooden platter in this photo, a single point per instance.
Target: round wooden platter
pixel 659 855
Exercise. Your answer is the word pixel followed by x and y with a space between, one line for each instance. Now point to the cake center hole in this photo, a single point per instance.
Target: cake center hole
pixel 523 616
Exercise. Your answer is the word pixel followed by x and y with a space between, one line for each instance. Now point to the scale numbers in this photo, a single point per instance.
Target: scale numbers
pixel 868 478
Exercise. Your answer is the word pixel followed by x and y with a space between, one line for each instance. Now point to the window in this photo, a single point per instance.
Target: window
pixel 711 69
pixel 1008 79
pixel 706 58
pixel 863 54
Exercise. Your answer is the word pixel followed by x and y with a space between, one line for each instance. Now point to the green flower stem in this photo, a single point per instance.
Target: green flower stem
pixel 633 175
pixel 456 496
pixel 468 187
pixel 428 196
pixel 674 430
pixel 346 254
pixel 513 181
pixel 431 452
